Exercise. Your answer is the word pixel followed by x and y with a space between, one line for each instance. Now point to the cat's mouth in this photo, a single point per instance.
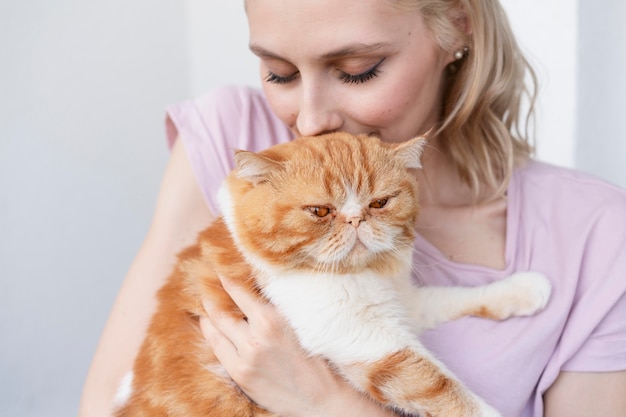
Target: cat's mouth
pixel 358 248
pixel 352 252
pixel 346 259
pixel 359 254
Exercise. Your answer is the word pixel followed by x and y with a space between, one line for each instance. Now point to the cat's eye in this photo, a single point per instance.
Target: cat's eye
pixel 380 203
pixel 320 211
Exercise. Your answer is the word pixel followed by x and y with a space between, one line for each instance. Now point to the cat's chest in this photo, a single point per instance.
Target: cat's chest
pixel 343 317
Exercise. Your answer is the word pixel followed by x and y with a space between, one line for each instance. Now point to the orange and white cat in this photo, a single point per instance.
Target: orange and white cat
pixel 322 228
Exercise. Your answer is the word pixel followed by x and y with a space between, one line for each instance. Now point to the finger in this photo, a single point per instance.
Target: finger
pixel 249 303
pixel 233 328
pixel 265 324
pixel 223 349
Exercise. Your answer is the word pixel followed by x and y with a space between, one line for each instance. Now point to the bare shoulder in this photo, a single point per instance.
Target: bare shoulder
pixel 181 211
pixel 180 214
pixel 587 394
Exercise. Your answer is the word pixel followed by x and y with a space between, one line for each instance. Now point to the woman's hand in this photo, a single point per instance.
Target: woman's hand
pixel 263 356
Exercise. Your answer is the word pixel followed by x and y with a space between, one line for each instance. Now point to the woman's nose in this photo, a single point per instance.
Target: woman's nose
pixel 317 114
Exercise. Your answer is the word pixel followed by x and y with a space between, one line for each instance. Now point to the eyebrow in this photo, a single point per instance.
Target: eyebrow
pixel 350 50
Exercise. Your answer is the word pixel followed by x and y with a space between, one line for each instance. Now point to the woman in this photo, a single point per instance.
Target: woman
pixel 396 69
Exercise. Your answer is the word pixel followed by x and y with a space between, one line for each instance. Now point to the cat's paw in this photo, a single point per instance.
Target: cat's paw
pixel 521 294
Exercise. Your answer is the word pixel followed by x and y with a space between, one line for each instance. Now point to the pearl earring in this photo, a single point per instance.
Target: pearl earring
pixel 460 53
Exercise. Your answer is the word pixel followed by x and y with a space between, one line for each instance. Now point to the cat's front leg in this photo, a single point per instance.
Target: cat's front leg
pixel 521 294
pixel 413 381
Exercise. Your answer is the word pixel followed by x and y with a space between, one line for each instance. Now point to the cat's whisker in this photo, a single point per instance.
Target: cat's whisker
pixel 399 248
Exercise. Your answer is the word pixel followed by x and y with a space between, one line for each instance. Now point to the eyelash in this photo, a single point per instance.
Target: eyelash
pixel 277 79
pixel 344 77
pixel 362 77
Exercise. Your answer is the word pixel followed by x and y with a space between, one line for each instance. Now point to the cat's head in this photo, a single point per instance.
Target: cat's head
pixel 338 203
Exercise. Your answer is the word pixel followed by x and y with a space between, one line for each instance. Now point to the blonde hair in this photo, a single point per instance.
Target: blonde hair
pixel 483 128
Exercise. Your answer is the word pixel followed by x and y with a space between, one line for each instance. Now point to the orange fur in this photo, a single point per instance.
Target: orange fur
pixel 170 378
pixel 408 380
pixel 320 169
pixel 276 195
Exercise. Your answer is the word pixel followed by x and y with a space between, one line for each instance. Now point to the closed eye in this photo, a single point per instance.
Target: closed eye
pixel 345 77
pixel 278 79
pixel 362 77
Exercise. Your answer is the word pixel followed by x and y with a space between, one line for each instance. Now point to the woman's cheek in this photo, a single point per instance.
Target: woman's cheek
pixel 385 108
pixel 282 104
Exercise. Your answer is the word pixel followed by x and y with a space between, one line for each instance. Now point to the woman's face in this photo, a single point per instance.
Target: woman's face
pixel 353 65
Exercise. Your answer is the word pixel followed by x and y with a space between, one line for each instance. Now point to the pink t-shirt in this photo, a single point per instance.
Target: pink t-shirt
pixel 565 224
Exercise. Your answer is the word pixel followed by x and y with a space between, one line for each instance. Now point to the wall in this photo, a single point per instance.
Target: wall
pixel 83 85
pixel 579 52
pixel 546 31
pixel 218 45
pixel 601 81
pixel 82 91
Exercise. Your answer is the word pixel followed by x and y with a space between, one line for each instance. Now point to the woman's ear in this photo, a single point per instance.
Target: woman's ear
pixel 462 23
pixel 461 20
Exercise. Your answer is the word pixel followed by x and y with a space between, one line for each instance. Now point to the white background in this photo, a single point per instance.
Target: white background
pixel 83 86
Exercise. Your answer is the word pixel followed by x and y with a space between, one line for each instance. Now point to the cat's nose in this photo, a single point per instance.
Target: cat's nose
pixel 354 221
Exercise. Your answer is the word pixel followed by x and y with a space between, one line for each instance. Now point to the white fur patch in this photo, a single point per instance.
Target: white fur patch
pixel 124 391
pixel 352 208
pixel 224 202
pixel 345 318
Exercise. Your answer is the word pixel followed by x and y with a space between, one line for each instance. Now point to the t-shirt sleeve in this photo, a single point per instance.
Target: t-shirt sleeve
pixel 599 341
pixel 217 123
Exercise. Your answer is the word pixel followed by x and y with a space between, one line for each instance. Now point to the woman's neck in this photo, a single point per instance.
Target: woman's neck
pixel 464 229
pixel 439 181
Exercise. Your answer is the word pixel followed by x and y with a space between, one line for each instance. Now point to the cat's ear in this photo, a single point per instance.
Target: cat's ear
pixel 254 167
pixel 410 152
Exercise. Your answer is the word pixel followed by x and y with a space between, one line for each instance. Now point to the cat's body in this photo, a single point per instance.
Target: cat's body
pixel 323 228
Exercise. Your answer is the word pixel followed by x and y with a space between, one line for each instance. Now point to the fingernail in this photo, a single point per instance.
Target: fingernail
pixel 208 307
pixel 226 282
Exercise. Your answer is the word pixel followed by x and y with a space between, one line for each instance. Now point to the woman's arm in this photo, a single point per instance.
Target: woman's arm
pixel 583 394
pixel 263 356
pixel 180 214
